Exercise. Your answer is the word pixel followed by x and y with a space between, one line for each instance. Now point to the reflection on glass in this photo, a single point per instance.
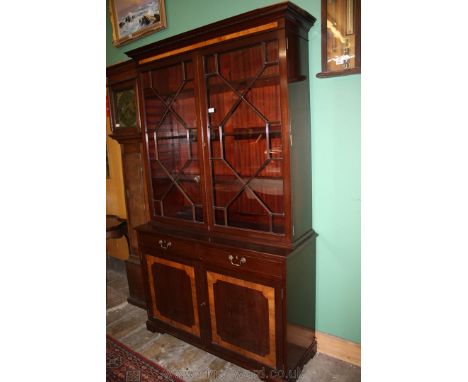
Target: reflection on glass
pixel 245 137
pixel 341 37
pixel 125 108
pixel 172 136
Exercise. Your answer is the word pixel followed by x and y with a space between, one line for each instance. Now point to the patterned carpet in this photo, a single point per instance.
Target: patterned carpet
pixel 125 365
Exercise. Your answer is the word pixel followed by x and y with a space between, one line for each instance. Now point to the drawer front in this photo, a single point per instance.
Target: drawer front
pixel 167 245
pixel 244 261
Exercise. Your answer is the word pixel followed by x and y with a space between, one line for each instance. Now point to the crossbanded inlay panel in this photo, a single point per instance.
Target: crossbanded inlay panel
pixel 173 294
pixel 242 315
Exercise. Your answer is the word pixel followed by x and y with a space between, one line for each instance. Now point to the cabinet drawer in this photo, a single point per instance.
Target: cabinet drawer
pixel 167 245
pixel 241 260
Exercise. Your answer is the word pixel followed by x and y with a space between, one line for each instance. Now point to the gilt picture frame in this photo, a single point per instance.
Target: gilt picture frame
pixel 133 19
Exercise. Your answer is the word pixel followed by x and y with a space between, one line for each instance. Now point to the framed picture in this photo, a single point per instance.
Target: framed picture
pixel 341 38
pixel 132 19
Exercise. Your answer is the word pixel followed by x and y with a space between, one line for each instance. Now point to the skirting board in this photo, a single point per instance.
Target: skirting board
pixel 327 344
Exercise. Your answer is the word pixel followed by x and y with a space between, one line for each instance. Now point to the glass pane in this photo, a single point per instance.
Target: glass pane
pixel 341 37
pixel 226 184
pixel 244 118
pixel 247 212
pixel 173 145
pixel 125 109
pixel 189 181
pixel 155 110
pixel 175 205
pixel 172 134
pixel 268 186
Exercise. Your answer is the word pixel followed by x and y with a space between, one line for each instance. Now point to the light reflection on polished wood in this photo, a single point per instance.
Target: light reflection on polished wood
pixel 268 293
pixel 212 41
pixel 195 328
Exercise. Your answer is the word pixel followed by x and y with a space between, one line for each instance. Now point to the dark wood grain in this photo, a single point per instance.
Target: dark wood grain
pixel 346 72
pixel 173 293
pixel 135 192
pixel 242 260
pixel 155 229
pixel 282 11
pixel 300 296
pixel 228 296
pixel 226 197
pixel 300 136
pixel 135 281
pixel 121 73
pixel 242 317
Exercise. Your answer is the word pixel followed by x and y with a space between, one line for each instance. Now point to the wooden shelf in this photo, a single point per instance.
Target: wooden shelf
pixel 222 179
pixel 249 221
pixel 182 136
pixel 186 178
pixel 273 186
pixel 237 133
pixel 220 86
pixel 246 132
pixel 184 93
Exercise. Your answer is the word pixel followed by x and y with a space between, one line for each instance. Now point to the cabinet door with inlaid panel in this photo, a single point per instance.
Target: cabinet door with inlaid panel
pixel 172 292
pixel 243 317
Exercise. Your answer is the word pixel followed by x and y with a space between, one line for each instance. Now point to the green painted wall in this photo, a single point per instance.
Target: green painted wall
pixel 335 107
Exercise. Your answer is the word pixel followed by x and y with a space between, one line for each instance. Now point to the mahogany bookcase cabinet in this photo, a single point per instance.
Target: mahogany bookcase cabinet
pixel 215 132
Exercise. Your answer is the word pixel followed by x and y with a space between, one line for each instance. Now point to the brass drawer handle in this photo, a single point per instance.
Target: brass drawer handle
pixel 238 262
pixel 164 244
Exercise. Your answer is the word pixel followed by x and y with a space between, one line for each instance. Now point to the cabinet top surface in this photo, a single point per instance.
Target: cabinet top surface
pixel 258 16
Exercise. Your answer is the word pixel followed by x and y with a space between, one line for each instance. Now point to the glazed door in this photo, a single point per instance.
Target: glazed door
pixel 172 139
pixel 245 131
pixel 243 317
pixel 173 294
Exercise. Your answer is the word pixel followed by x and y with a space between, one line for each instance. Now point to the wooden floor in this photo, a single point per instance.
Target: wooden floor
pixel 126 323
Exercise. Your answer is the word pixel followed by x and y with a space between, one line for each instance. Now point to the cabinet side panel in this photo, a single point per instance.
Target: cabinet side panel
pixel 299 117
pixel 300 300
pixel 137 214
pixel 135 190
pixel 135 282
